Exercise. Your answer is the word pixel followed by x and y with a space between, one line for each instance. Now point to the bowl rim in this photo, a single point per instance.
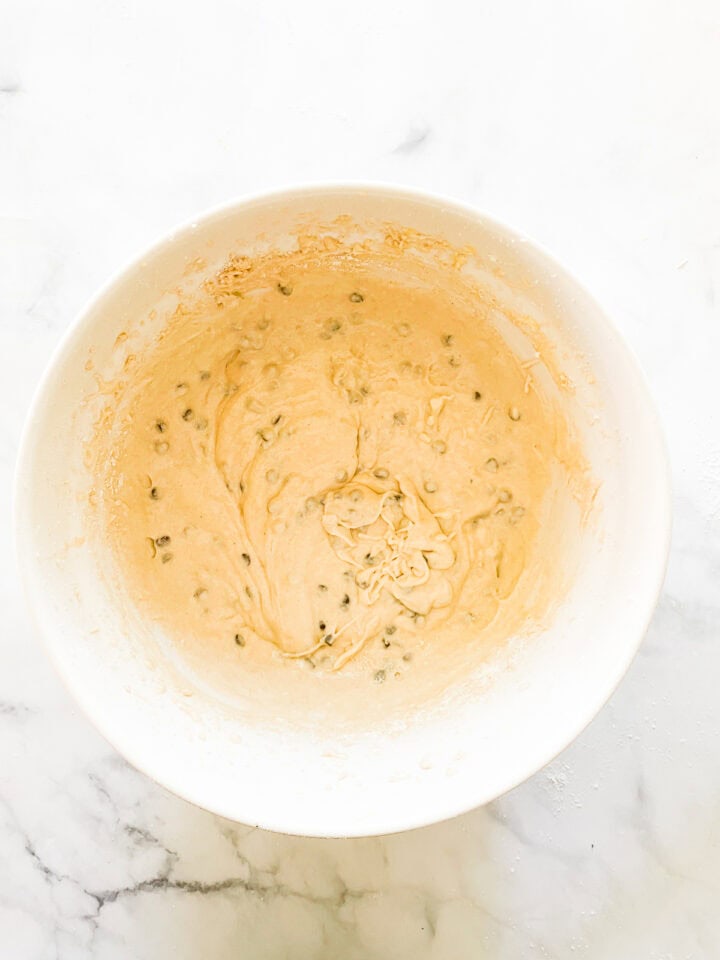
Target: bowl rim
pixel 656 565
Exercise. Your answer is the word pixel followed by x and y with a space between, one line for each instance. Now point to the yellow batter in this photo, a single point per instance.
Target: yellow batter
pixel 333 462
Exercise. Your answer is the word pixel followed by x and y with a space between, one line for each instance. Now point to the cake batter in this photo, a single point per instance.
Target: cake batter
pixel 334 459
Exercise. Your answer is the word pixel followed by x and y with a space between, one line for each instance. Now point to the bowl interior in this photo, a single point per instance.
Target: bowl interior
pixel 320 781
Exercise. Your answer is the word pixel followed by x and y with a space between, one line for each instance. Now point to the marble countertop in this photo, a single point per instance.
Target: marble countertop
pixel 593 127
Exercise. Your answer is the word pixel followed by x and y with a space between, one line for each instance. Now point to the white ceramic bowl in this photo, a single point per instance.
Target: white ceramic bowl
pixel 445 761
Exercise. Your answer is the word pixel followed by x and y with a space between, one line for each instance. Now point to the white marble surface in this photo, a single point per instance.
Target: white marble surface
pixel 593 126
